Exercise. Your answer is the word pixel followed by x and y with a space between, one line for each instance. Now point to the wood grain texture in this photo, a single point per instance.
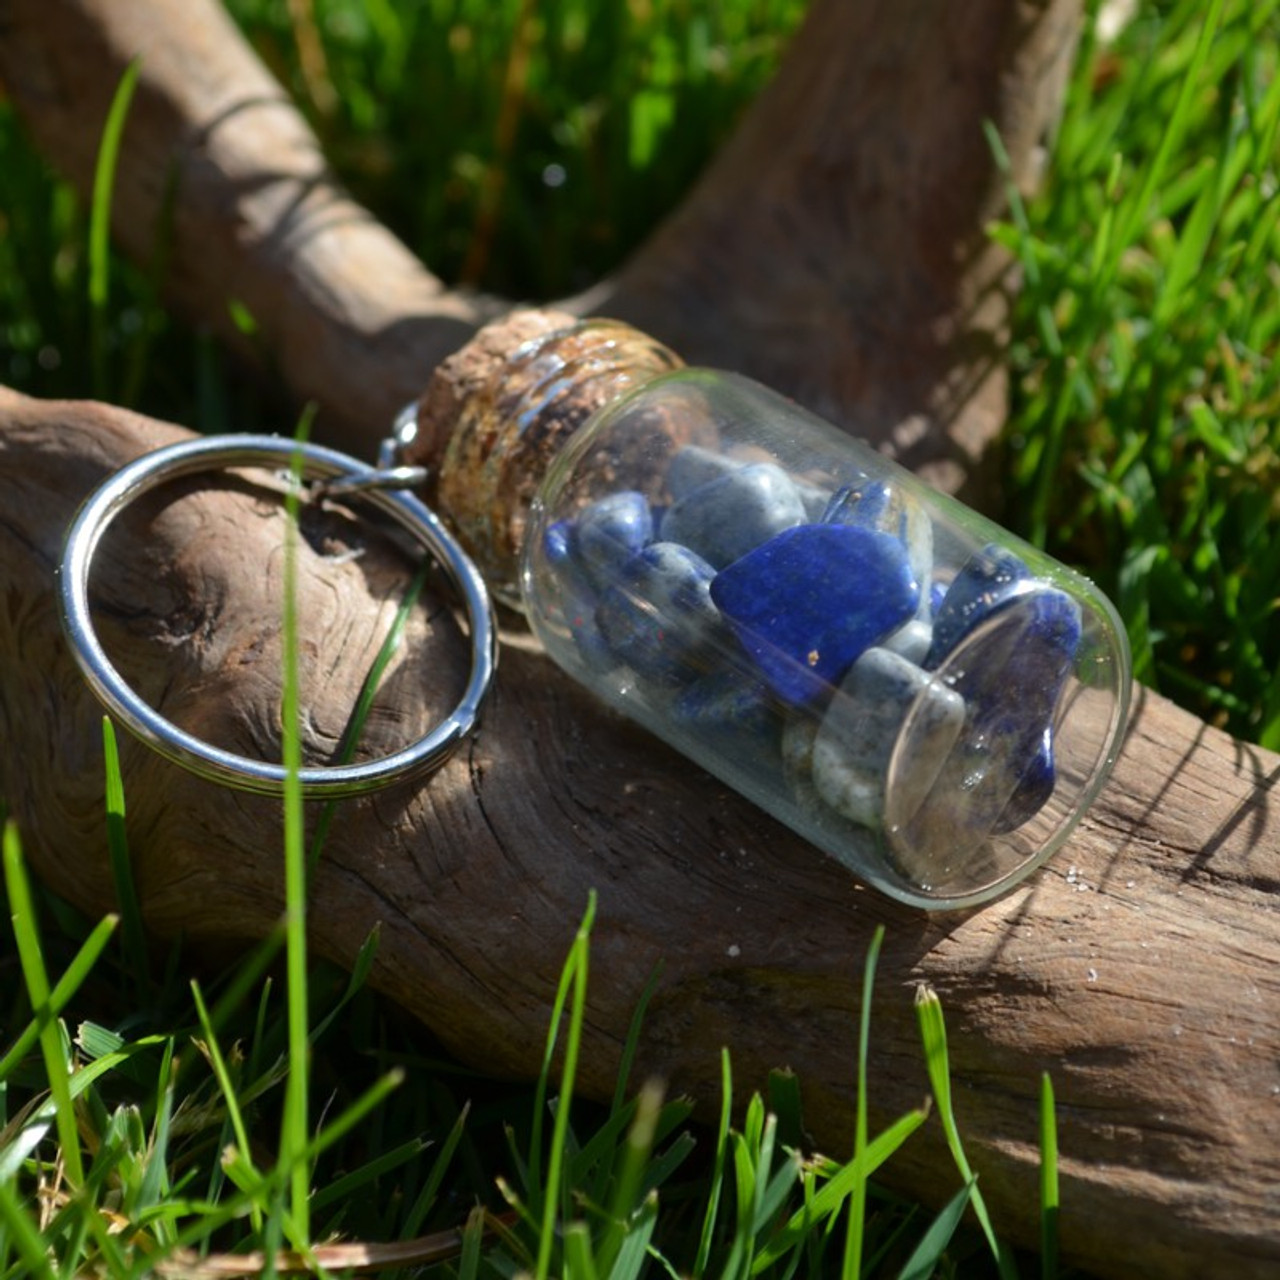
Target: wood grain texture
pixel 836 248
pixel 1141 967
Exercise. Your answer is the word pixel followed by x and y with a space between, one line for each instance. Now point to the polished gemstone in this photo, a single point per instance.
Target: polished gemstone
pixel 1033 790
pixel 726 517
pixel 609 532
pixel 910 641
pixel 577 597
pixel 888 508
pixel 694 466
pixel 1011 672
pixel 989 579
pixel 726 700
pixel 807 603
pixel 884 698
pixel 658 617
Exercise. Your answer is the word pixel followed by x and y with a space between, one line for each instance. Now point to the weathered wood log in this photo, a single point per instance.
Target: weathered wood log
pixel 1141 967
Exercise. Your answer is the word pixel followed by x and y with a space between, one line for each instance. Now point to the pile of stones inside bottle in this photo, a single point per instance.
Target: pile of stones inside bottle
pixel 815 624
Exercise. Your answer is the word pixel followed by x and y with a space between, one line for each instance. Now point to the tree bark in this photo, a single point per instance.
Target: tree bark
pixel 1141 967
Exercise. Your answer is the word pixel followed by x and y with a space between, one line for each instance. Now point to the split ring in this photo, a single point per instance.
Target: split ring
pixel 243 773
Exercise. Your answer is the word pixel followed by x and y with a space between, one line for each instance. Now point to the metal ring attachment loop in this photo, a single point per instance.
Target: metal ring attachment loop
pixel 210 762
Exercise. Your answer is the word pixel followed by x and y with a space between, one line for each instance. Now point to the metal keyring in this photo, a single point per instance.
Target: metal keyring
pixel 242 772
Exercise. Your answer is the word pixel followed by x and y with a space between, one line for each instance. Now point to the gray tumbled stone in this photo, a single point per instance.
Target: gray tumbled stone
pixel 693 466
pixel 658 617
pixel 911 641
pixel 798 733
pixel 726 517
pixel 883 694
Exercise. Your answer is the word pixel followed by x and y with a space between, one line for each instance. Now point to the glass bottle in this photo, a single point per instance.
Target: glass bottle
pixel 915 690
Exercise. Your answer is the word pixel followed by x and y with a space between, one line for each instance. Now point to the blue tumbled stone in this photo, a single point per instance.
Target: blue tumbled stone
pixel 876 504
pixel 658 617
pixel 1011 674
pixel 726 517
pixel 725 700
pixel 808 603
pixel 576 595
pixel 1033 790
pixel 609 532
pixel 693 466
pixel 988 580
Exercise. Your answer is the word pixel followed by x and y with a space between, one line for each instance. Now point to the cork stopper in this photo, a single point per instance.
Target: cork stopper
pixel 499 410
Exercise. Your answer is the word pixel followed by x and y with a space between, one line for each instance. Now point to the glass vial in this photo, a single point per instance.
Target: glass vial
pixel 915 690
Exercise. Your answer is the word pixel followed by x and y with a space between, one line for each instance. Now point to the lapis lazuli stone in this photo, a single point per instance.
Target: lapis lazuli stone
pixel 809 602
pixel 1033 790
pixel 987 582
pixel 876 504
pixel 724 700
pixel 1011 674
pixel 726 517
pixel 609 532
pixel 658 617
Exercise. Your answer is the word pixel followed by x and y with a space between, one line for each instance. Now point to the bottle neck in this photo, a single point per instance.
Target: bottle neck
pixel 500 410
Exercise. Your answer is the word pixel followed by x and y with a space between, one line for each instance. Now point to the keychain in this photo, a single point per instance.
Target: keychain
pixel 333 474
pixel 915 690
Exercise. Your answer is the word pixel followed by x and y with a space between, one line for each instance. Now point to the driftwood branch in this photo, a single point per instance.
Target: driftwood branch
pixel 1141 967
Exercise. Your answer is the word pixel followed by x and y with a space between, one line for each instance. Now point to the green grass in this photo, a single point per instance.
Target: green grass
pixel 153 1150
pixel 145 1116
pixel 1144 434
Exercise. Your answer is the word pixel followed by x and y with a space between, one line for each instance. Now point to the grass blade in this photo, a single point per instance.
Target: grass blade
pixel 223 1076
pixel 104 176
pixel 132 933
pixel 717 1168
pixel 574 981
pixel 66 986
pixel 24 1235
pixel 294 1124
pixel 1048 1181
pixel 928 1253
pixel 52 1042
pixel 933 1032
pixel 858 1191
